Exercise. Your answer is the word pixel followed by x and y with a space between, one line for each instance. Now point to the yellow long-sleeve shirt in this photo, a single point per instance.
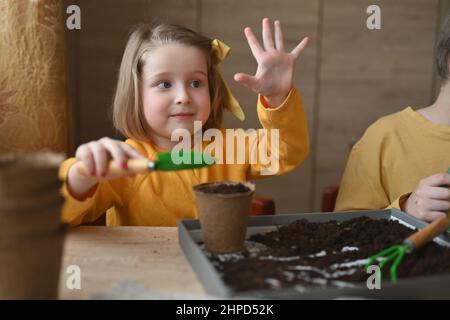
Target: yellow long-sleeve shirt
pixel 391 158
pixel 162 198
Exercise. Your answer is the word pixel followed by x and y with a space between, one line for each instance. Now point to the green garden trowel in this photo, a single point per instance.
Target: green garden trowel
pixel 165 161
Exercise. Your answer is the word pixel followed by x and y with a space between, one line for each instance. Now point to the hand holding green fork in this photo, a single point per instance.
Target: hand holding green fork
pixel 415 241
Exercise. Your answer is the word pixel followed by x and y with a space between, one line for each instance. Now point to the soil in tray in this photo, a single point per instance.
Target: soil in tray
pixel 305 254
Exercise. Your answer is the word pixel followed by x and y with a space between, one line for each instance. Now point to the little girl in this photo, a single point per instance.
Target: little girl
pixel 169 77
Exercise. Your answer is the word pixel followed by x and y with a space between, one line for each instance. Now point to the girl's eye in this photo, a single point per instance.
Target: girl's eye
pixel 195 84
pixel 164 85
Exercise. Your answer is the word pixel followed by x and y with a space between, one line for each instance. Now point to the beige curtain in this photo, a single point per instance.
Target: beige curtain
pixel 33 76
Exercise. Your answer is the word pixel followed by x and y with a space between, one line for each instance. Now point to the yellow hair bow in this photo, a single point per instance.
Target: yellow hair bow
pixel 221 50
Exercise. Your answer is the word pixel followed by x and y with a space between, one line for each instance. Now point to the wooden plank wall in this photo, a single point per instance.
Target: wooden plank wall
pixel 349 76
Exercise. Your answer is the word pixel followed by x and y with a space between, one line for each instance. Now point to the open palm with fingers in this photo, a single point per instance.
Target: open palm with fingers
pixel 274 75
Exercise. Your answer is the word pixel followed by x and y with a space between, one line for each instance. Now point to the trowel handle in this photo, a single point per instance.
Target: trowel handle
pixel 428 233
pixel 133 166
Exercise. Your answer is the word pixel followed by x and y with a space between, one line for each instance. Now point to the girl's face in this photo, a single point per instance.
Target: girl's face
pixel 174 91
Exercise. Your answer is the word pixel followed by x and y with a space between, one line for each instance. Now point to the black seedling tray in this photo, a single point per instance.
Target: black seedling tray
pixel 429 287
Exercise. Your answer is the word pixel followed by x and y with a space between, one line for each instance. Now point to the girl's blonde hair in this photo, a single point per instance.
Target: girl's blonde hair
pixel 128 114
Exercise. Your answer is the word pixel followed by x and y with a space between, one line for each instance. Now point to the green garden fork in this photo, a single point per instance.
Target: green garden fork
pixel 415 241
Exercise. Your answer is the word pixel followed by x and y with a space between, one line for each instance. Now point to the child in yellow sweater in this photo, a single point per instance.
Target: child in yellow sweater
pixel 402 159
pixel 169 78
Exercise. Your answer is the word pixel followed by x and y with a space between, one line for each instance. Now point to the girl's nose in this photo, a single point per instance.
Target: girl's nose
pixel 182 97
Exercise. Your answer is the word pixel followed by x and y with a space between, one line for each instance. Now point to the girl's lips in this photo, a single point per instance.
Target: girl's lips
pixel 182 115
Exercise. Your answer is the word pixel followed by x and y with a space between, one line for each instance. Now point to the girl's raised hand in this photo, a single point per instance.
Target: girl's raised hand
pixel 274 75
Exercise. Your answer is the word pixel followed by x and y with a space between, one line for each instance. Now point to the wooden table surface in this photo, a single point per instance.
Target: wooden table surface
pixel 150 256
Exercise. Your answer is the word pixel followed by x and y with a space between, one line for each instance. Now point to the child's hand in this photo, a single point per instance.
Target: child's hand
pixel 274 75
pixel 431 199
pixel 96 156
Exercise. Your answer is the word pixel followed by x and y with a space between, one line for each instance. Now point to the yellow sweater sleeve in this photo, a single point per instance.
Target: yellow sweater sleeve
pixel 100 198
pixel 290 121
pixel 362 186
